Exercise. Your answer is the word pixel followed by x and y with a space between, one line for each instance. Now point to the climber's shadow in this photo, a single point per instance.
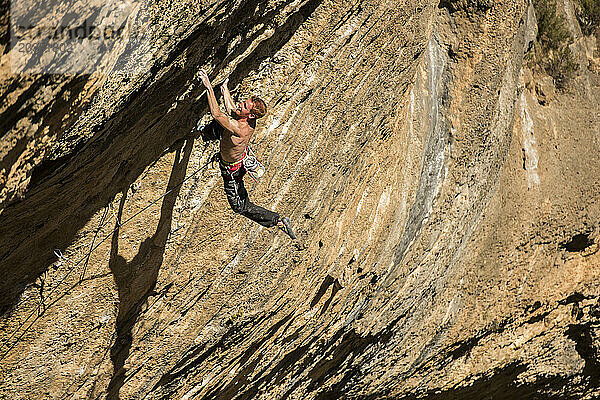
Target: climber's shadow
pixel 136 279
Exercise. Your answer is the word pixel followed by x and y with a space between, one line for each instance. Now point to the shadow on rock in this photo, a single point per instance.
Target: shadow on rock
pixel 501 385
pixel 136 279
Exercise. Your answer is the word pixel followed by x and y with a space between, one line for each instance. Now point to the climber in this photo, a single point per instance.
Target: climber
pixel 235 133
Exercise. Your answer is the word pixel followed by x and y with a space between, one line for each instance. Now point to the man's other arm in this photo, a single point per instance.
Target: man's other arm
pixel 215 110
pixel 227 99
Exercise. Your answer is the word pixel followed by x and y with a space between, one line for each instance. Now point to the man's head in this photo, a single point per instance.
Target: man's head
pixel 251 108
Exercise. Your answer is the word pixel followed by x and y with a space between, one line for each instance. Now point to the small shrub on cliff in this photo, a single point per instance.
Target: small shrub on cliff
pixel 552 31
pixel 551 52
pixel 588 15
pixel 561 66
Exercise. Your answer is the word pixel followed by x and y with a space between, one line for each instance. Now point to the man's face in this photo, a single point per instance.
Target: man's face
pixel 243 108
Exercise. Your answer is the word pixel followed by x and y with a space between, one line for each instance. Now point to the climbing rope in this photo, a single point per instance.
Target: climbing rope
pixel 100 226
pixel 61 257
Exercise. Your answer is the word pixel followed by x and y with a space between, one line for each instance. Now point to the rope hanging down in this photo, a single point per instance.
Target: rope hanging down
pixel 61 257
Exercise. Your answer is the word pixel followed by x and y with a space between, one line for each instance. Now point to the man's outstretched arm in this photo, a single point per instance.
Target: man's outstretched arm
pixel 227 99
pixel 215 110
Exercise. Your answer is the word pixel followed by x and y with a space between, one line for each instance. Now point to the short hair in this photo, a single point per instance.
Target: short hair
pixel 259 109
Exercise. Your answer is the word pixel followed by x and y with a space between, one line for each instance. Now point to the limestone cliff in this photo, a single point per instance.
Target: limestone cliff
pixel 445 198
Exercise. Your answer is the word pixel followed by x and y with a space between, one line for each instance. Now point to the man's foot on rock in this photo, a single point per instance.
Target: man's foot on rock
pixel 285 225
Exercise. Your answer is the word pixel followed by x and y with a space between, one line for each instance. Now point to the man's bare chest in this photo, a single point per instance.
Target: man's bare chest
pixel 236 140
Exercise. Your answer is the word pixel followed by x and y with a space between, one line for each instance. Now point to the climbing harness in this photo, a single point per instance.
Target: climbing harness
pixel 233 166
pixel 249 162
pixel 230 169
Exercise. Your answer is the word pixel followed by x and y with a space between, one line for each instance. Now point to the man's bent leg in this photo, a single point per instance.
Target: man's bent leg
pixel 259 214
pixel 237 196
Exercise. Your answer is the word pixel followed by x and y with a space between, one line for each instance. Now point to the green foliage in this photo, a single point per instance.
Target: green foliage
pixel 561 66
pixel 588 14
pixel 552 30
pixel 551 51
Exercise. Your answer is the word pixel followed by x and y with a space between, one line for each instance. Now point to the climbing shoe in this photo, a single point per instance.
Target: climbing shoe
pixel 286 226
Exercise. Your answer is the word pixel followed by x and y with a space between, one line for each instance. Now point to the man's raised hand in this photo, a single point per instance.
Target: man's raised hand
pixel 224 88
pixel 205 79
pixel 228 100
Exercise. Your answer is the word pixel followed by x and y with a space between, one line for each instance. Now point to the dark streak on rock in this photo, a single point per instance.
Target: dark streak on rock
pixel 581 334
pixel 500 385
pixel 578 243
pixel 328 281
pixel 464 347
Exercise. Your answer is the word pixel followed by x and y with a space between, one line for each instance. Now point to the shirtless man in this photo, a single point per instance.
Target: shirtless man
pixel 235 133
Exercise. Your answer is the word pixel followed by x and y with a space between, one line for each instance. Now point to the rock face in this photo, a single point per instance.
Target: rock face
pixel 445 199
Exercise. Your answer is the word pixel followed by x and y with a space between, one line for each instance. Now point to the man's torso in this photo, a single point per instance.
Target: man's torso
pixel 232 147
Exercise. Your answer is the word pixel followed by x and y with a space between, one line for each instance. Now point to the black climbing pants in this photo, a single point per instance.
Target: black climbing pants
pixel 237 196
